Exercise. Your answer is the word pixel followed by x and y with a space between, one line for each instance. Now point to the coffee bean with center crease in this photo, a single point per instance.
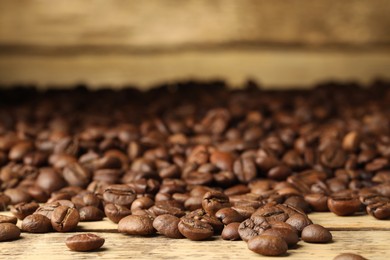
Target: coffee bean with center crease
pixel 47 209
pixel 344 205
pixel 245 169
pixel 167 225
pixel 380 210
pixel 268 245
pixel 84 242
pixel 90 213
pixel 8 219
pixel 141 225
pixel 316 234
pixel 9 231
pixel 22 210
pixel 119 194
pixel 252 227
pixel 195 229
pixel 116 212
pixel 214 201
pixel 65 219
pixel 36 223
pixel 229 215
pixel 230 231
pixel 76 175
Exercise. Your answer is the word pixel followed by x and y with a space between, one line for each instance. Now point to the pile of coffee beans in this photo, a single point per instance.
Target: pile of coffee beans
pixel 194 160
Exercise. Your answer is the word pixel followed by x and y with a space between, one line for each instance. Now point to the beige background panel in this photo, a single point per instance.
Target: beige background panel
pixel 172 23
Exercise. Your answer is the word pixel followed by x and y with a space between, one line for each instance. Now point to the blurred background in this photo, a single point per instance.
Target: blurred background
pixel 279 43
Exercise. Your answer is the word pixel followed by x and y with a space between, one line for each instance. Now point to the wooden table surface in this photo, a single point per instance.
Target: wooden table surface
pixel 363 235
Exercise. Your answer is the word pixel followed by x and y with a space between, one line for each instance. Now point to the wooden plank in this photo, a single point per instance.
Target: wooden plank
pixel 274 68
pixel 371 244
pixel 168 24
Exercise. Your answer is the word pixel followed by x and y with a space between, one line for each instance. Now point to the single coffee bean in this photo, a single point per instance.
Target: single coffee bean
pixel 90 213
pixel 65 219
pixel 142 203
pixel 318 202
pixel 252 227
pixel 214 201
pixel 245 169
pixel 298 202
pixel 299 221
pixel 289 235
pixel 76 175
pixel 84 242
pixel 4 202
pixel 9 231
pixel 380 210
pixel 23 209
pixel 17 195
pixel 50 180
pixel 116 212
pixel 195 229
pixel 344 205
pixel 47 209
pixel 167 225
pixel 141 225
pixel 268 245
pixel 119 194
pixel 36 223
pixel 229 215
pixel 8 219
pixel 316 234
pixel 230 231
pixel 271 212
pixel 349 256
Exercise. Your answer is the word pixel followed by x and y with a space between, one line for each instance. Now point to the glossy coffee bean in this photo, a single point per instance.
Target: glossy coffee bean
pixel 141 225
pixel 289 235
pixel 119 194
pixel 214 201
pixel 380 210
pixel 316 234
pixel 65 219
pixel 167 225
pixel 252 227
pixel 23 209
pixel 195 229
pixel 230 231
pixel 84 242
pixel 8 219
pixel 9 232
pixel 36 223
pixel 90 213
pixel 344 205
pixel 268 245
pixel 229 215
pixel 116 212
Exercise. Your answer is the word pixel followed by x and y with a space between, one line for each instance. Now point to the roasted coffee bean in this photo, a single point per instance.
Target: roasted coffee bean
pixel 17 195
pixel 245 169
pixel 214 201
pixel 8 219
pixel 271 212
pixel 9 231
pixel 22 210
pixel 229 215
pixel 141 225
pixel 47 209
pixel 116 212
pixel 344 205
pixel 65 219
pixel 230 231
pixel 90 213
pixel 268 245
pixel 76 175
pixel 167 225
pixel 299 221
pixel 298 202
pixel 380 210
pixel 50 180
pixel 195 229
pixel 252 227
pixel 119 194
pixel 316 234
pixel 36 223
pixel 84 242
pixel 349 256
pixel 222 160
pixel 171 207
pixel 279 172
pixel 142 203
pixel 318 202
pixel 4 202
pixel 289 235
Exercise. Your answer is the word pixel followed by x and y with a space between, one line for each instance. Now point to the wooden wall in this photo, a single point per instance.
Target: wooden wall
pixel 117 42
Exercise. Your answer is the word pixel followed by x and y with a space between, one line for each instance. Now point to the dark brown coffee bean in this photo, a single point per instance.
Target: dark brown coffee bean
pixel 37 194
pixel 252 227
pixel 23 209
pixel 142 203
pixel 17 196
pixel 298 202
pixel 380 210
pixel 20 150
pixel 289 235
pixel 167 225
pixel 8 219
pixel 141 225
pixel 349 256
pixel 195 229
pixel 91 200
pixel 36 223
pixel 268 245
pixel 214 201
pixel 230 231
pixel 316 234
pixel 351 141
pixel 280 172
pixel 222 160
pixel 271 212
pixel 4 202
pixel 245 169
pixel 229 215
pixel 84 242
pixel 90 213
pixel 170 207
pixel 76 175
pixel 116 212
pixel 299 221
pixel 318 202
pixel 50 180
pixel 65 219
pixel 47 209
pixel 333 156
pixel 9 232
pixel 344 205
pixel 119 194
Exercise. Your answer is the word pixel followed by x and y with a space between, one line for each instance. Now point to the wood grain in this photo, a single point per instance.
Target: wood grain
pixel 171 23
